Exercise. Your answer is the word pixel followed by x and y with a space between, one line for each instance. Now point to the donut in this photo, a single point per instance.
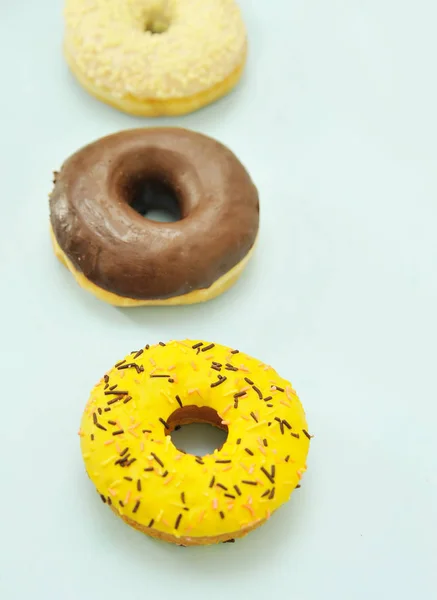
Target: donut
pixel 155 57
pixel 125 259
pixel 181 498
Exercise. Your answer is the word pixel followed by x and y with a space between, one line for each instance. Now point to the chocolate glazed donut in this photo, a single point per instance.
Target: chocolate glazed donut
pixel 99 232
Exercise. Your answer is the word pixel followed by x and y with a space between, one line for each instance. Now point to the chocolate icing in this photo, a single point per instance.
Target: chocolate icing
pixel 131 256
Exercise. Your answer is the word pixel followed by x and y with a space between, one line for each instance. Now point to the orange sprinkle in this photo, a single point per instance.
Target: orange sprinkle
pixel 167 481
pixel 202 515
pixel 172 368
pixel 300 473
pixel 81 433
pixel 227 408
pixel 250 500
pixel 285 403
pixel 188 529
pixel 251 469
pixel 290 392
pixel 230 506
pixel 112 492
pixel 158 441
pixel 268 513
pixel 262 450
pixel 249 508
pixel 215 504
pixel 227 468
pixel 209 356
pixel 246 418
pixel 178 457
pixel 195 367
pixel 117 447
pixel 152 362
pixel 226 422
pixel 244 368
pixel 231 393
pixel 244 467
pixel 166 522
pixel 108 442
pixel 128 495
pixel 142 446
pixel 175 379
pixel 133 433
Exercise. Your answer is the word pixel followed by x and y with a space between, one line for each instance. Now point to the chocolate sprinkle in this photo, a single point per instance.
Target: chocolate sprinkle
pixel 295 435
pixel 151 522
pixel 120 363
pixel 139 368
pixel 215 367
pixel 161 344
pixel 106 378
pixel 253 415
pixel 139 353
pixel 159 375
pixel 272 494
pixel 229 496
pixel 307 434
pixel 148 469
pixel 236 403
pixel 287 458
pixel 137 506
pixel 147 346
pixel 179 401
pixel 266 493
pixel 286 423
pixel 267 474
pixel 220 485
pixel 206 348
pixel 222 514
pixel 103 498
pixel 165 474
pixel 158 460
pixel 249 451
pixel 101 427
pixel 94 418
pixel 128 478
pixel 118 432
pixel 249 482
pixel 124 452
pixel 216 383
pixel 92 437
pixel 268 398
pixel 109 501
pixel 273 471
pixel 230 367
pixel 223 461
pixel 258 391
pixel 212 481
pixel 235 351
pixel 120 503
pixel 239 394
pixel 183 497
pixel 113 386
pixel 116 393
pixel 166 425
pixel 279 389
pixel 197 345
pixel 99 410
pixel 270 405
pixel 238 441
pixel 178 520
pixel 265 442
pixel 147 431
pixel 171 380
pixel 113 401
pixel 128 399
pixel 249 381
pixel 139 485
pixel 107 409
pixel 132 460
pixel 112 423
pixel 237 489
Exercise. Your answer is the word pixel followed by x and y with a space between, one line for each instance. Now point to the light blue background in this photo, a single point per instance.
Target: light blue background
pixel 336 121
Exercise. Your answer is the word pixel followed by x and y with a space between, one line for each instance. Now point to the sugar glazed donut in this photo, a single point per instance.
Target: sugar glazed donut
pixel 178 497
pixel 155 57
pixel 125 259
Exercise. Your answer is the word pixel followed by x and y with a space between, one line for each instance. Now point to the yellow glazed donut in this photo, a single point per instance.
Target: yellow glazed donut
pixel 155 57
pixel 178 497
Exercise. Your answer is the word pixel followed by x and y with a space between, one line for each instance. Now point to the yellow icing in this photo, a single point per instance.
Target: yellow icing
pixel 182 481
pixel 109 45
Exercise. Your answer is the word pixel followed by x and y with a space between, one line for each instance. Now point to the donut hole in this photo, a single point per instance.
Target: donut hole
pixel 155 200
pixel 197 430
